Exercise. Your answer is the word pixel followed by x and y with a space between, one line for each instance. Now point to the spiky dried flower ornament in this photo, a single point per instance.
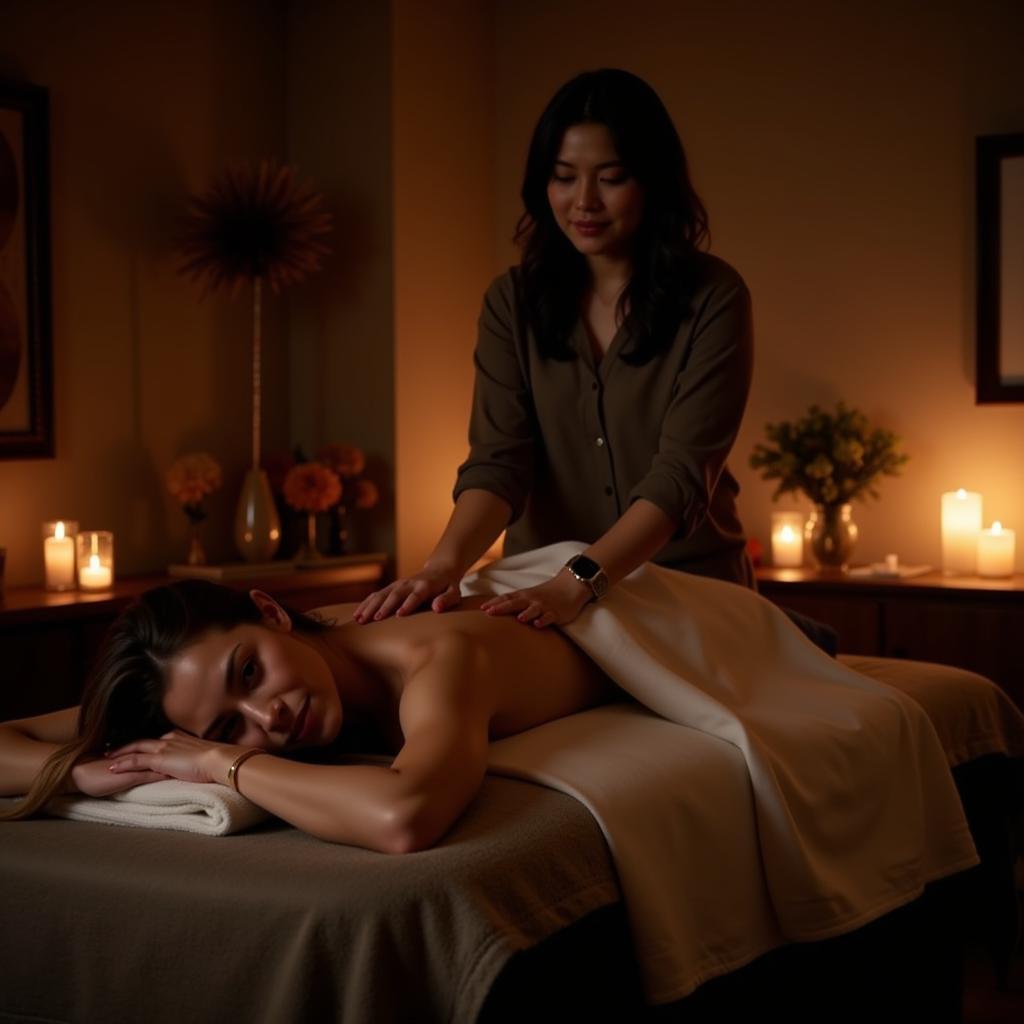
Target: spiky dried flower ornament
pixel 256 222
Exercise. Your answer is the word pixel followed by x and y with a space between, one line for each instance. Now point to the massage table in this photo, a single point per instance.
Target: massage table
pixel 516 914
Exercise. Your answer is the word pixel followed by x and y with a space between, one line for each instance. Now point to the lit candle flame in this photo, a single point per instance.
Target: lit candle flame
pixel 997 527
pixel 94 561
pixel 787 533
pixel 59 531
pixel 961 494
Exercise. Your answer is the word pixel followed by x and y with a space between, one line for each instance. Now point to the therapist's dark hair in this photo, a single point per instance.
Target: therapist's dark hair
pixel 553 274
pixel 122 699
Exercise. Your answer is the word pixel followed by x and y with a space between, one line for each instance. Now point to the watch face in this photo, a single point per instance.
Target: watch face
pixel 585 567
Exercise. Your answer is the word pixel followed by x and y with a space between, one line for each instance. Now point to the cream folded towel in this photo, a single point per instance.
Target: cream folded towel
pixel 206 808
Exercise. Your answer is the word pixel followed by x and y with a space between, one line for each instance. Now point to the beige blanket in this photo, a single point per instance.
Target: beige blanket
pixel 773 754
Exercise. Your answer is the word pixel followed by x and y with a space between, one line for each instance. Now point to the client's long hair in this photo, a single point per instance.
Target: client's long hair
pixel 122 700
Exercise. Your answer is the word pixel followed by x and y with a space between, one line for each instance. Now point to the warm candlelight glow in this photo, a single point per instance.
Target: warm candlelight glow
pixel 95 560
pixel 59 554
pixel 787 539
pixel 996 550
pixel 961 524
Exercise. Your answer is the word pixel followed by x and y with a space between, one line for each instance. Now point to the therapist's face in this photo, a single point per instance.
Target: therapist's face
pixel 594 198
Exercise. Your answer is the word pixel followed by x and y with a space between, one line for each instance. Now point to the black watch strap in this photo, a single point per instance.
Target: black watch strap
pixel 588 572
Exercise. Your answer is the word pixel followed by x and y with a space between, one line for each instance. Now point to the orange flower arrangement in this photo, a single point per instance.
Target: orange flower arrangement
pixel 312 487
pixel 345 459
pixel 365 494
pixel 190 479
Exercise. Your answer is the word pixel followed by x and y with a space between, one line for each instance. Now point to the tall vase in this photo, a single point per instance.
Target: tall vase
pixel 832 534
pixel 196 551
pixel 257 526
pixel 309 551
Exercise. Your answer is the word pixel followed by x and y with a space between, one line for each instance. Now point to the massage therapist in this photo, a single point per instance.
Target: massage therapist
pixel 612 370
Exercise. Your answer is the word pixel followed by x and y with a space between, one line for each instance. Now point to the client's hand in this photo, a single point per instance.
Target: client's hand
pixel 553 603
pixel 93 778
pixel 404 596
pixel 175 755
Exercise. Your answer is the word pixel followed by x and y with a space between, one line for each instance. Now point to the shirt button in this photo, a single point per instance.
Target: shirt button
pixel 599 442
pixel 608 491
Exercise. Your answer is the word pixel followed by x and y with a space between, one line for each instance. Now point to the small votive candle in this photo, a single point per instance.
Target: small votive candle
pixel 95 559
pixel 787 539
pixel 996 551
pixel 59 554
pixel 961 524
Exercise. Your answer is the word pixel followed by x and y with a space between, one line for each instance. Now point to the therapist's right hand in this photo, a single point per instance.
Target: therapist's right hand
pixel 403 597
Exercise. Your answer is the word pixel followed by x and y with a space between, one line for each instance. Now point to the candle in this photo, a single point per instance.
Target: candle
pixel 59 555
pixel 95 576
pixel 95 560
pixel 996 551
pixel 787 539
pixel 961 524
pixel 892 563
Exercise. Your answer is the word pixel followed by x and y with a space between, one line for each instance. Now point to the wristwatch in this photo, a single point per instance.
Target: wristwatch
pixel 587 571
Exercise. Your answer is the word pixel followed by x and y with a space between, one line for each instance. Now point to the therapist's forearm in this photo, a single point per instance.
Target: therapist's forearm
pixel 475 523
pixel 635 537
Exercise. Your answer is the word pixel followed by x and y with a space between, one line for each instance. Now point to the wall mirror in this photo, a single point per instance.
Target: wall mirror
pixel 1000 198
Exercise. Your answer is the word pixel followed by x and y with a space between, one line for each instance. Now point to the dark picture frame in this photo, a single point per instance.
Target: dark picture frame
pixel 999 351
pixel 26 344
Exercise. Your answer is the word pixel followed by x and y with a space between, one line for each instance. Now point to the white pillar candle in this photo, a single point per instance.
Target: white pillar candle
pixel 95 560
pixel 961 524
pixel 59 558
pixel 996 551
pixel 787 539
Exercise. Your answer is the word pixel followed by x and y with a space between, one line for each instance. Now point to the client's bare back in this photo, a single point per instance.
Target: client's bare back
pixel 536 674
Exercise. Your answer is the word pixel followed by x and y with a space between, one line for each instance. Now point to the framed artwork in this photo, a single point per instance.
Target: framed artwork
pixel 26 358
pixel 1000 342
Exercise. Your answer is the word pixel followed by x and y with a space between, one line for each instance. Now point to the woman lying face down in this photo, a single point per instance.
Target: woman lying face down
pixel 194 675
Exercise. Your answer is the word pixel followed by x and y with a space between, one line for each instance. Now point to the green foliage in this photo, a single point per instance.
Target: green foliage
pixel 832 458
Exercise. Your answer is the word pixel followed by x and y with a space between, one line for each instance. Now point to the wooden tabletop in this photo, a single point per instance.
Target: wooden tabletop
pixel 935 581
pixel 19 605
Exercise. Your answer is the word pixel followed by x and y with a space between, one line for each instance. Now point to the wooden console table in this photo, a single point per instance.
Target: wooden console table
pixel 48 641
pixel 970 622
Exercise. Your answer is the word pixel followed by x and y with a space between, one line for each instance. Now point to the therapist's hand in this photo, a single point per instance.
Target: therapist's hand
pixel 553 603
pixel 439 588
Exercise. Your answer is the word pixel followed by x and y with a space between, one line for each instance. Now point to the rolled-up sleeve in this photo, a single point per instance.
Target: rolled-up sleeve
pixel 705 409
pixel 502 426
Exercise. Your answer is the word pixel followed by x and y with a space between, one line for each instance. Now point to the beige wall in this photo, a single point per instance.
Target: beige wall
pixel 340 325
pixel 442 120
pixel 833 144
pixel 147 101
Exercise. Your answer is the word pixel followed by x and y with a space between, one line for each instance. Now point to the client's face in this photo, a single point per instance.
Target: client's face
pixel 255 685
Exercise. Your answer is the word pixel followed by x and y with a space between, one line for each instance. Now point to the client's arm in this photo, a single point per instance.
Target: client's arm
pixel 445 714
pixel 26 744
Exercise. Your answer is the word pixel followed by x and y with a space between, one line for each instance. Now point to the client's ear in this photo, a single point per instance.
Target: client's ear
pixel 274 616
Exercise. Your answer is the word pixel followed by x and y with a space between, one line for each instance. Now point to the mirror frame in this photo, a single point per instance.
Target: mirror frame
pixel 990 151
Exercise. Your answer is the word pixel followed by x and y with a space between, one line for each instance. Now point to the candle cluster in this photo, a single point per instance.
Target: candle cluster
pixel 69 555
pixel 967 549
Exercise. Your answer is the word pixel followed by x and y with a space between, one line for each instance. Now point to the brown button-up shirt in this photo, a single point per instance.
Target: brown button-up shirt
pixel 569 444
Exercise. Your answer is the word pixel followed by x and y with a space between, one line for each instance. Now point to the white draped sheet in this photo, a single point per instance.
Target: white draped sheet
pixel 765 793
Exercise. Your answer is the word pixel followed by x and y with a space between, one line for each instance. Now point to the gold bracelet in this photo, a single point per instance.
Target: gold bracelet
pixel 238 762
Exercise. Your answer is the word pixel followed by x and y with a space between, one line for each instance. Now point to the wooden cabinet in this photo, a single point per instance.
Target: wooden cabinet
pixel 48 641
pixel 970 622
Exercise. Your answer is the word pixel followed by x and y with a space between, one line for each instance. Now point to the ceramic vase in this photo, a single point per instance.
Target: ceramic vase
pixel 257 526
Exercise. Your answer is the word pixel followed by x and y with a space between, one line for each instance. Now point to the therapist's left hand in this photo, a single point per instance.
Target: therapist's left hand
pixel 554 603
